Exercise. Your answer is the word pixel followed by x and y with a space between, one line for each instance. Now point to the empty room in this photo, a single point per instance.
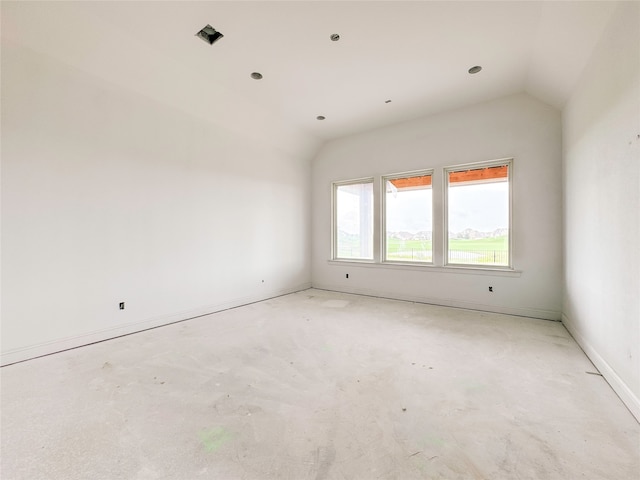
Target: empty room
pixel 320 240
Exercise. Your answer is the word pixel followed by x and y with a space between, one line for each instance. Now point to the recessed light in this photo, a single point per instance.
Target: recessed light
pixel 475 69
pixel 387 101
pixel 320 117
pixel 209 35
pixel 256 75
pixel 334 37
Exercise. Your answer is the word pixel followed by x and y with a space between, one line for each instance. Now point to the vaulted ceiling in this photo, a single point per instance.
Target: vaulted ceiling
pixel 416 54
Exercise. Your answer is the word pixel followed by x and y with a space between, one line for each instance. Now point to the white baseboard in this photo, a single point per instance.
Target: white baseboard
pixel 59 345
pixel 517 311
pixel 617 384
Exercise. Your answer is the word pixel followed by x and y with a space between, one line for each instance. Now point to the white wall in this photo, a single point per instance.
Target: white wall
pixel 110 196
pixel 601 128
pixel 516 126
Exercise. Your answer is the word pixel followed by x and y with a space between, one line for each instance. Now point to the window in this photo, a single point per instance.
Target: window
pixel 478 214
pixel 407 218
pixel 457 216
pixel 353 220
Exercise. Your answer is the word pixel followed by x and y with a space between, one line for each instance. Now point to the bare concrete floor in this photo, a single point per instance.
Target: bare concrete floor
pixel 321 385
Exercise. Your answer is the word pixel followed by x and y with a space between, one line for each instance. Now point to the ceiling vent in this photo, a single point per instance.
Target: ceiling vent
pixel 209 35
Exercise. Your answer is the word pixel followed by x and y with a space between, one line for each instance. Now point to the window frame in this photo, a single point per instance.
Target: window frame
pixel 334 219
pixel 508 162
pixel 383 216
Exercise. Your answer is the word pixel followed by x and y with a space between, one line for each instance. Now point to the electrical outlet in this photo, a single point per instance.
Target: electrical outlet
pixel 121 305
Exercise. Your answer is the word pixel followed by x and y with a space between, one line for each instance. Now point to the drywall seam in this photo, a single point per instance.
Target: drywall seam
pixel 615 382
pixel 520 312
pixel 39 350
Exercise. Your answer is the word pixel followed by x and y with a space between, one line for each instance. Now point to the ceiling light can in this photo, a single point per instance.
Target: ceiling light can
pixel 209 34
pixel 334 37
pixel 256 75
pixel 320 117
pixel 475 69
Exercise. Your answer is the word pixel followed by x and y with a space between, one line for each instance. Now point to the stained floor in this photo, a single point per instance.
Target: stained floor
pixel 321 385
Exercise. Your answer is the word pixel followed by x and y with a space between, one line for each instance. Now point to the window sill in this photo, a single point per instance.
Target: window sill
pixel 428 267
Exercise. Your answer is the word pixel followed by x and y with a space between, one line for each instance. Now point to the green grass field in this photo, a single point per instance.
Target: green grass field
pixel 484 251
pixel 495 243
pixel 500 244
